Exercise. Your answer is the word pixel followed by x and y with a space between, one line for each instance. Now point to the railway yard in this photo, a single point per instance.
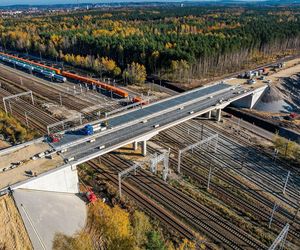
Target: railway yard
pixel 224 194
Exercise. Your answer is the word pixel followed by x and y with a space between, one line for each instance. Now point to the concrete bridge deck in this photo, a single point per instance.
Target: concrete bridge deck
pixel 138 125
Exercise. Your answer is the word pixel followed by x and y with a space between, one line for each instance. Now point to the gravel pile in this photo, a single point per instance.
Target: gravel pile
pixel 272 94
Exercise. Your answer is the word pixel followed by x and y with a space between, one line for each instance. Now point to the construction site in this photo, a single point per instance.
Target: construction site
pixel 202 173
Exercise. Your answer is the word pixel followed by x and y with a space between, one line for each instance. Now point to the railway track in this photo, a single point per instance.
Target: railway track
pixel 148 204
pixel 40 120
pixel 28 113
pixel 264 206
pixel 270 175
pixel 220 229
pixel 194 213
pixel 242 152
pixel 259 160
pixel 48 93
pixel 61 94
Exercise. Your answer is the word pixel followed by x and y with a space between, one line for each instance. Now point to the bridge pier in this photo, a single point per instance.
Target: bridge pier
pixel 218 115
pixel 208 115
pixel 135 146
pixel 144 148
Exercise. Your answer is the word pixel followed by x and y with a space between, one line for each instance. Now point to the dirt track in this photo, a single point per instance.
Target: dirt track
pixel 13 234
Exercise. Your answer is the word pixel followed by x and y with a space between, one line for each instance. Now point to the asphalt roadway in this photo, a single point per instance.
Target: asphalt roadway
pixel 150 110
pixel 139 129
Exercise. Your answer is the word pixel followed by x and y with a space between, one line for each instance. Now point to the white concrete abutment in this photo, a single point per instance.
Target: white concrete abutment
pixel 249 101
pixel 63 179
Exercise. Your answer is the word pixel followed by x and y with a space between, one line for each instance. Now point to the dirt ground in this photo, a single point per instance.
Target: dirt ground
pixel 60 111
pixel 154 91
pixel 22 154
pixel 13 234
pixel 17 174
pixel 286 87
pixel 4 144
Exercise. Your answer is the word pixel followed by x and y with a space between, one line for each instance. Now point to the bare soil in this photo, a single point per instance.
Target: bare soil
pixel 60 111
pixel 4 144
pixel 153 90
pixel 13 234
pixel 17 174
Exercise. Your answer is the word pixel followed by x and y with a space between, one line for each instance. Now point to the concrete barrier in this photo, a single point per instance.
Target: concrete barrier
pixel 20 146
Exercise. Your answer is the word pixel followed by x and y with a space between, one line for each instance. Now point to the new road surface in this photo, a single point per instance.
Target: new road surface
pixel 147 120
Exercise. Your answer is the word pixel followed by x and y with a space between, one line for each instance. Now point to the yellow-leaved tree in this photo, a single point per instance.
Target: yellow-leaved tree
pixel 107 228
pixel 135 73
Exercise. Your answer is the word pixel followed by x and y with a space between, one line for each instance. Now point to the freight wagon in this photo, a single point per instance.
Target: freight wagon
pixel 102 85
pixel 31 67
pixel 61 76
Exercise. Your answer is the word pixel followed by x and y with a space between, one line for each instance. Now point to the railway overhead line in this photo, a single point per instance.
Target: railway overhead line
pixel 195 163
pixel 193 213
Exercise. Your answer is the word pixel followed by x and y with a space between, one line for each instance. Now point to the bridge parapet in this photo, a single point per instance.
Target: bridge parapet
pixel 63 179
pixel 251 99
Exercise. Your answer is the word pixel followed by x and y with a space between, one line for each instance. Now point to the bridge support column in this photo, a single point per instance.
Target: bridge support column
pixel 208 115
pixel 218 115
pixel 144 148
pixel 135 146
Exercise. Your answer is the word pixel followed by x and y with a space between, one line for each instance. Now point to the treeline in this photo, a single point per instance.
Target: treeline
pixel 199 41
pixel 114 228
pixel 13 131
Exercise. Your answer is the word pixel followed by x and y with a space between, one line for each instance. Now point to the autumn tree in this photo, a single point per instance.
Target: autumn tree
pixel 201 43
pixel 155 242
pixel 179 69
pixel 141 227
pixel 135 74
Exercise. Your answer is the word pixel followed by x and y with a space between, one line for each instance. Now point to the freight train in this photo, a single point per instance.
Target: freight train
pixel 33 67
pixel 61 75
pixel 102 85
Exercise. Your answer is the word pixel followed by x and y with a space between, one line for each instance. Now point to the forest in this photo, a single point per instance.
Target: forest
pixel 175 43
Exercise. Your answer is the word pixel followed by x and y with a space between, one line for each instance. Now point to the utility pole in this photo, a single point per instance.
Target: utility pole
pixel 209 176
pixel 26 118
pixel 120 184
pixel 280 239
pixel 272 214
pixel 295 216
pixel 32 98
pixel 239 124
pixel 286 182
pixel 10 107
pixel 179 162
pixel 275 154
pixel 60 99
pixel 5 108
